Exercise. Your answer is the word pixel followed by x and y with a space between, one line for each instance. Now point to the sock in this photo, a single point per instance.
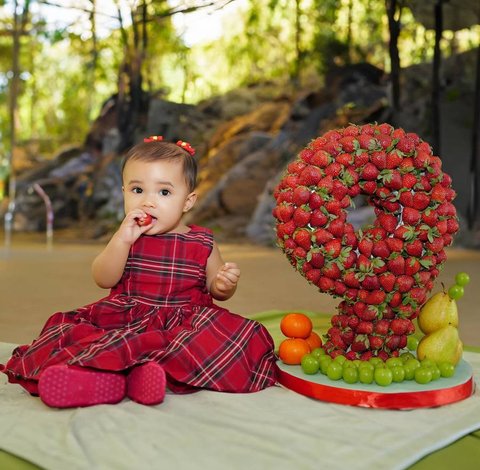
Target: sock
pixel 63 386
pixel 146 384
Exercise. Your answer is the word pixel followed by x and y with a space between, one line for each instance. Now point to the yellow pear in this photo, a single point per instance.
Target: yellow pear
pixel 439 311
pixel 443 345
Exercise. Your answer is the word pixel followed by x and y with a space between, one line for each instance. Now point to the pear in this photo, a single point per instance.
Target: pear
pixel 443 345
pixel 439 311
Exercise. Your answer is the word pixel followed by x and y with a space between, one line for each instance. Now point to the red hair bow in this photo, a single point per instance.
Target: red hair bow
pixel 153 138
pixel 187 147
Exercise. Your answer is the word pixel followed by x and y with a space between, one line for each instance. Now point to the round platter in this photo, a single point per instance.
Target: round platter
pixel 404 395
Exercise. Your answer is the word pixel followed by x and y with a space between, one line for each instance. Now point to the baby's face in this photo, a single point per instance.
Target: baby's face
pixel 158 188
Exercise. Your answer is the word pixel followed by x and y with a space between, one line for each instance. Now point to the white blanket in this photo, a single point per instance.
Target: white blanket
pixel 272 429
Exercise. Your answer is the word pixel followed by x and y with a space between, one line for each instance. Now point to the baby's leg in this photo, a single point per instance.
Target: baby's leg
pixel 146 384
pixel 63 386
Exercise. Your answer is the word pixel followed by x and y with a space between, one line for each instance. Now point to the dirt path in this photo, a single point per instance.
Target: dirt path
pixel 35 282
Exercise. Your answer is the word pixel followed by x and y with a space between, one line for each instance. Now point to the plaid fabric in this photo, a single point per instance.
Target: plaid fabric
pixel 159 311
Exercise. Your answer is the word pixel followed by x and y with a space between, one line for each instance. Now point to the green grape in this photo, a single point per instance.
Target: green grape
pixel 375 360
pixel 340 359
pixel 347 364
pixel 412 343
pixel 393 362
pixel 350 375
pixel 427 363
pixel 398 373
pixel 406 356
pixel 423 375
pixel 456 292
pixel 366 365
pixel 325 361
pixel 447 369
pixel 310 364
pixel 383 376
pixel 318 353
pixel 462 279
pixel 410 366
pixel 365 375
pixel 436 374
pixel 335 371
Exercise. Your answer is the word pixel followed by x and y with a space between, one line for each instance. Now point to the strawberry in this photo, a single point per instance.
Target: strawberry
pixel 409 180
pixel 385 128
pixel 347 336
pixel 333 207
pixel 436 245
pixel 351 280
pixel 306 155
pixel 318 143
pixel 334 169
pixel 296 167
pixel 331 270
pixel 393 160
pixel 365 246
pixel 369 172
pixel 326 184
pixel 452 226
pixel 375 342
pixel 367 142
pixel 414 248
pixel 370 283
pixel 333 248
pixel 313 275
pixel 381 249
pixel 359 344
pixel 394 244
pixel 385 141
pixel 302 238
pixel 379 159
pixel 365 327
pixel 345 159
pixel 404 283
pixel 339 190
pixel 396 265
pixel 376 297
pixel 392 342
pixel 351 130
pixel 336 227
pixel 412 266
pixel 368 314
pixel 322 236
pixel 352 356
pixel 320 159
pixel 400 326
pixel 411 216
pixel 340 288
pixel 339 321
pixel 310 176
pixel 382 326
pixel 318 219
pixel 430 217
pixel 299 253
pixel 284 212
pixel 406 198
pixel 326 284
pixel 317 260
pixel 406 145
pixel 301 216
pixel 421 200
pixel 388 222
pixel 419 295
pixel 301 195
pixel 369 187
pixel 387 281
pixel 315 201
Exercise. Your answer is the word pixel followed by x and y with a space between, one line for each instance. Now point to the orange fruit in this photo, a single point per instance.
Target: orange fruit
pixel 314 341
pixel 292 350
pixel 296 325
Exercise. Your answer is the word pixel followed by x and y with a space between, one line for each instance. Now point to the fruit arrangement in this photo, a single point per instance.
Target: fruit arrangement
pixel 385 271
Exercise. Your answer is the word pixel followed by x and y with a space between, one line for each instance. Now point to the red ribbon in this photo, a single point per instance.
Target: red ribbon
pixel 399 401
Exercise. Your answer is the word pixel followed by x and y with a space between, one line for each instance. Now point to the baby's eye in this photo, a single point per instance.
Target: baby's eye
pixel 137 190
pixel 164 192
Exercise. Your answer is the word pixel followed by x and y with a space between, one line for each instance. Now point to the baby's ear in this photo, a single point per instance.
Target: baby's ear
pixel 190 201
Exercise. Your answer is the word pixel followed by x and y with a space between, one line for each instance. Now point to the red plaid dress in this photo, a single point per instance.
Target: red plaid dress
pixel 159 311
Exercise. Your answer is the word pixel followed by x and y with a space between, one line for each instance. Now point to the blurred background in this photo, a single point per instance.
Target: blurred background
pixel 247 82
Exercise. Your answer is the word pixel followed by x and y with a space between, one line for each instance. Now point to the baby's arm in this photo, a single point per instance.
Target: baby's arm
pixel 108 266
pixel 222 278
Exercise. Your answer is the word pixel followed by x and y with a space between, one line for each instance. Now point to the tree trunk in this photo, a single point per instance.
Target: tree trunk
pixel 437 59
pixel 393 8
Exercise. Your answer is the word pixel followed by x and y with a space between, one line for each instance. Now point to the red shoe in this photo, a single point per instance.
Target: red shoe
pixel 146 384
pixel 64 386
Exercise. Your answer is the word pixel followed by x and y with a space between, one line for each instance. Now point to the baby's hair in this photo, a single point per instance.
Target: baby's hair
pixel 161 150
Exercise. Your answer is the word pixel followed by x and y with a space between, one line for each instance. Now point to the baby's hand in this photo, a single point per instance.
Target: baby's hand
pixel 227 278
pixel 130 229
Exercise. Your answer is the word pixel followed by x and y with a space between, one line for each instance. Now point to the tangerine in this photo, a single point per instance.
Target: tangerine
pixel 296 325
pixel 292 350
pixel 314 341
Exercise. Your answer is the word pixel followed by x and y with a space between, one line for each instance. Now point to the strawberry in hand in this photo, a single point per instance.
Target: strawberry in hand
pixel 143 221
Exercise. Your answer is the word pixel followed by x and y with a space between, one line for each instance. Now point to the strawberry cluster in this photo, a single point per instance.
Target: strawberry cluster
pixel 385 271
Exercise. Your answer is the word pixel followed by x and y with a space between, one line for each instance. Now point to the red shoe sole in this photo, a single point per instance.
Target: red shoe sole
pixel 68 387
pixel 146 384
